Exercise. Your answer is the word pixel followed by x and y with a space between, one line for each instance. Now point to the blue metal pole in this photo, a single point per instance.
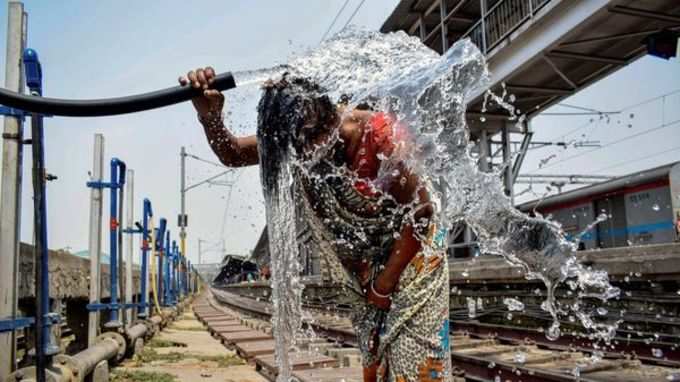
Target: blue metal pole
pixel 175 272
pixel 117 181
pixel 187 278
pixel 160 237
pixel 142 310
pixel 166 284
pixel 180 275
pixel 44 346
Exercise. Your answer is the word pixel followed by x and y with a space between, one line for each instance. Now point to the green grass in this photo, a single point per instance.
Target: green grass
pixel 150 355
pixel 141 376
pixel 187 329
pixel 158 343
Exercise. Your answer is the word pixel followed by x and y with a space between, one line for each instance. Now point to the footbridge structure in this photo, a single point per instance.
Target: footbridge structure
pixel 541 51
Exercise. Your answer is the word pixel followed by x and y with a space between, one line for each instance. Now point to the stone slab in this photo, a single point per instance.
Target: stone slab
pixel 252 349
pixel 342 374
pixel 244 336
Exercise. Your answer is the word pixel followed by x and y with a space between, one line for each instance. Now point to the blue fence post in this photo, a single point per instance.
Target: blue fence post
pixel 175 272
pixel 160 238
pixel 142 310
pixel 117 181
pixel 45 347
pixel 167 262
pixel 187 278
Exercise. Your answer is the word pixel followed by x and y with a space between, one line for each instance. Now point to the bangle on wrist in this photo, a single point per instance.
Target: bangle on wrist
pixel 378 294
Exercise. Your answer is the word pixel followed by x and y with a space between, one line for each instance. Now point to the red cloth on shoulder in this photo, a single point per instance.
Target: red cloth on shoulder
pixel 379 138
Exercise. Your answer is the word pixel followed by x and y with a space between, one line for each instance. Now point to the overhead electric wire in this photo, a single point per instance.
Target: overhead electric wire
pixel 192 156
pixel 353 14
pixel 337 15
pixel 676 148
pixel 625 108
pixel 208 179
pixel 226 206
pixel 578 107
pixel 650 100
pixel 573 131
pixel 628 137
pixel 628 107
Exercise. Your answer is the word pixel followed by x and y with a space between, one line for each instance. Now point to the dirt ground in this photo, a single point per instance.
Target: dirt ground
pixel 185 351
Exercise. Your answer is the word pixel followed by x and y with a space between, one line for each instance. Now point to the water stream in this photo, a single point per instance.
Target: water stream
pixel 427 93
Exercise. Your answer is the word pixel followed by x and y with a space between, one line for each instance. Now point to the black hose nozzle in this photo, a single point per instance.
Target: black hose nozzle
pixel 110 106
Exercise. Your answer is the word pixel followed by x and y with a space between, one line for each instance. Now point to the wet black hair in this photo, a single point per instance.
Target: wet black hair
pixel 284 109
pixel 345 100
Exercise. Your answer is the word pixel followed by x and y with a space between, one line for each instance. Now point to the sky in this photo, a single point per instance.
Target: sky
pixel 98 49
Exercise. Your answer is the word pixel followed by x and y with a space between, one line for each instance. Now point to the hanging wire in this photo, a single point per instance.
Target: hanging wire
pixel 626 108
pixel 354 14
pixel 676 148
pixel 335 19
pixel 612 143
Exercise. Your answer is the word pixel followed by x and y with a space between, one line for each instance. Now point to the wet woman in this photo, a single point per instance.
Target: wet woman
pixel 375 222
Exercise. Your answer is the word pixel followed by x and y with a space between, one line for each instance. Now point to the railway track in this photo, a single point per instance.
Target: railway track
pixel 479 352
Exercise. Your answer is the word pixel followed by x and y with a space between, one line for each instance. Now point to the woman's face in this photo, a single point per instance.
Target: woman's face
pixel 315 132
pixel 320 121
pixel 302 113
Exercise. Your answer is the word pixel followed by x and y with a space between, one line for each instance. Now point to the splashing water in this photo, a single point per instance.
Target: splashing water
pixel 513 304
pixel 427 93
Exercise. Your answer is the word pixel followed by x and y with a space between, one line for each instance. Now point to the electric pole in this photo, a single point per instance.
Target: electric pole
pixel 10 194
pixel 182 221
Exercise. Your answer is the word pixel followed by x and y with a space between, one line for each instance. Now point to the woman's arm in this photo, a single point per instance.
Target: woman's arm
pixel 232 151
pixel 406 246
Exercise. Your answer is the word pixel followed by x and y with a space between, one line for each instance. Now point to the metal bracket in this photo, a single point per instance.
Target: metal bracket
pixel 53 318
pixel 7 111
pixel 17 137
pixel 99 306
pixel 98 184
pixel 96 306
pixel 9 324
pixel 12 112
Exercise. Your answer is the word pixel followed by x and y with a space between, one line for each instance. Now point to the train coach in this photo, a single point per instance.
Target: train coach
pixel 641 208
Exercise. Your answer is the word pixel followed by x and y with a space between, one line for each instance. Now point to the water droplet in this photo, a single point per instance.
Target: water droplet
pixel 513 305
pixel 553 333
pixel 520 357
pixel 472 307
